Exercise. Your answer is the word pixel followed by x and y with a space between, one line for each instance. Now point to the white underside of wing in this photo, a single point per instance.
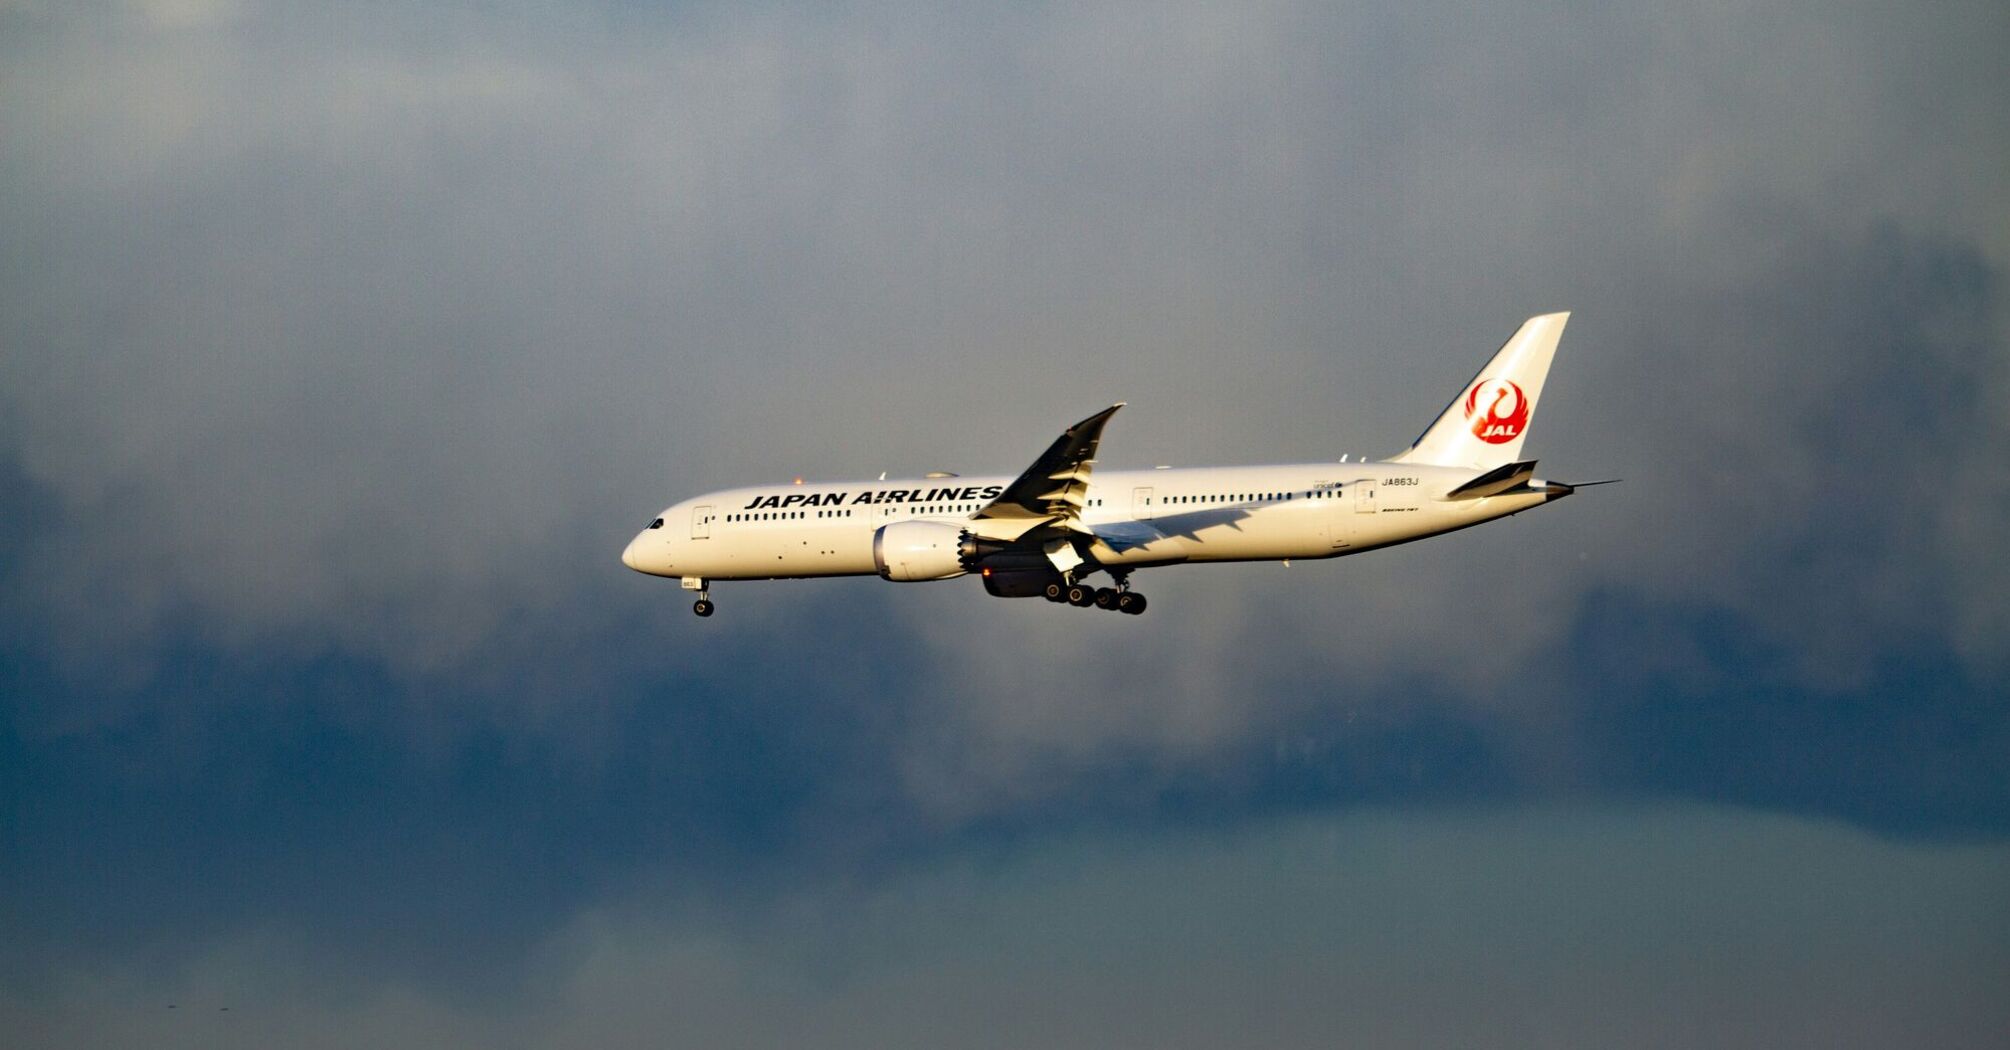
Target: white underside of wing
pixel 1125 535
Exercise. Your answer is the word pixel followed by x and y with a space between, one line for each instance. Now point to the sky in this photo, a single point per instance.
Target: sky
pixel 343 348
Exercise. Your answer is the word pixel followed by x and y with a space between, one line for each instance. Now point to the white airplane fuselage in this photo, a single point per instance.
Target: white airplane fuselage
pixel 1063 518
pixel 1207 514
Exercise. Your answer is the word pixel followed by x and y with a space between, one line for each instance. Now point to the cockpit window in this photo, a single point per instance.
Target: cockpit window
pixel 657 524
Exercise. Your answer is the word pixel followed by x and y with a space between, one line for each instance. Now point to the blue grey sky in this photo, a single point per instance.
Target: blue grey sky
pixel 341 349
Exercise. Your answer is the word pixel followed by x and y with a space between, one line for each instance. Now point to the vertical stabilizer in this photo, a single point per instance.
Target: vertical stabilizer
pixel 1484 426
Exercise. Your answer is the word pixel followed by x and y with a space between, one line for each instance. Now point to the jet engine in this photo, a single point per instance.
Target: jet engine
pixel 910 551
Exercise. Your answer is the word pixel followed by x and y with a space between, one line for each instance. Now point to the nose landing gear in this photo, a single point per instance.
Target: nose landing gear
pixel 703 606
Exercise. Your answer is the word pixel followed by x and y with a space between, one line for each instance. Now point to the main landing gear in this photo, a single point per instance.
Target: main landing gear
pixel 1080 595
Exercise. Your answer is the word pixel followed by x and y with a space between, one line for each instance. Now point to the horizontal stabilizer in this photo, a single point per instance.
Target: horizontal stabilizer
pixel 1495 481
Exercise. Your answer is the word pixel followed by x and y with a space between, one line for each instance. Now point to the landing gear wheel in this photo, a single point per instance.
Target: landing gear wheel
pixel 1106 598
pixel 1055 591
pixel 1131 602
pixel 702 607
pixel 1081 595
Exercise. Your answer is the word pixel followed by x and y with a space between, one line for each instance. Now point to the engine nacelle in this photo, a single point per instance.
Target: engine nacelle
pixel 911 551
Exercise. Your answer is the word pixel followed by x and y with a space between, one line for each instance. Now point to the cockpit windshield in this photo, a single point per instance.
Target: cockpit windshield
pixel 657 524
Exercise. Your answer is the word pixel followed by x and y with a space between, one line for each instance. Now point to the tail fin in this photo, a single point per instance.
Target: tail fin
pixel 1483 427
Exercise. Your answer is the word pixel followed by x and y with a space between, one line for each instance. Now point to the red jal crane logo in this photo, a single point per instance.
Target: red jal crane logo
pixel 1498 410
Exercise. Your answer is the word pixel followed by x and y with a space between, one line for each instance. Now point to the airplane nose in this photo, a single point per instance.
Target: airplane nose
pixel 628 554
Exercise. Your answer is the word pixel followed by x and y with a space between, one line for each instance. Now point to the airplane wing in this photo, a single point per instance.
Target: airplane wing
pixel 1055 488
pixel 1125 535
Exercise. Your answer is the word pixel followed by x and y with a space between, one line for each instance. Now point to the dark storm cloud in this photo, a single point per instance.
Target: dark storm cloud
pixel 340 352
pixel 337 307
pixel 1538 927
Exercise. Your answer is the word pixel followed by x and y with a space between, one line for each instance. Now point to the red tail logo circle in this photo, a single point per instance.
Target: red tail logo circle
pixel 1498 410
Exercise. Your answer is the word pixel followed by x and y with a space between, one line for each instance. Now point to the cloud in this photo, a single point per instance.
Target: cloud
pixel 1551 927
pixel 339 355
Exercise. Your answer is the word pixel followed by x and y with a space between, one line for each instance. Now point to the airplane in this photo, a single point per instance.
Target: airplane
pixel 1042 533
